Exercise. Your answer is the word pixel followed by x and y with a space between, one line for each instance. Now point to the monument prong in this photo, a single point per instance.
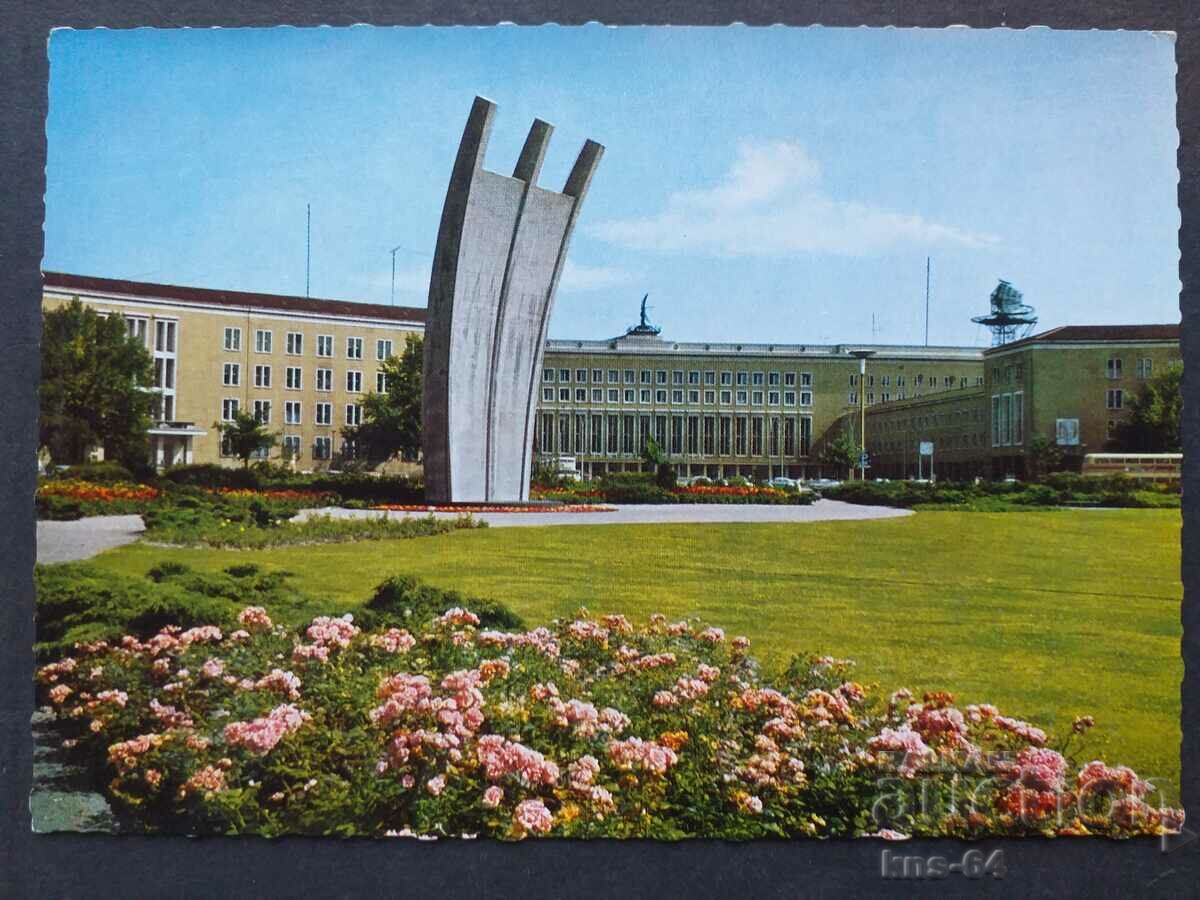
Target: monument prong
pixel 529 163
pixel 501 249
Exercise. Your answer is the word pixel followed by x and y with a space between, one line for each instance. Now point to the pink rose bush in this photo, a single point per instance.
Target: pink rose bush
pixel 587 727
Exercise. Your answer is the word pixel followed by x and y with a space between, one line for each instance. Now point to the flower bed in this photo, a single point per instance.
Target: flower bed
pixel 282 495
pixel 75 498
pixel 648 492
pixel 591 727
pixel 563 508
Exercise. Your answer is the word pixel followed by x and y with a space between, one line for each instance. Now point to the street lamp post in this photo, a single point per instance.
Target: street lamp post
pixel 862 355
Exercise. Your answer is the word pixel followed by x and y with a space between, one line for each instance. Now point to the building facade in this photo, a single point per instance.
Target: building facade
pixel 304 366
pixel 723 409
pixel 301 365
pixel 1070 387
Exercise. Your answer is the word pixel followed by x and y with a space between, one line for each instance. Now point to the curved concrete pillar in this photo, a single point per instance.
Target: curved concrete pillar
pixel 501 247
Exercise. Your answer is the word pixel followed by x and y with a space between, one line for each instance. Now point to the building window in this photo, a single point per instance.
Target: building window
pixel 164 336
pixel 885 396
pixel 693 377
pixel 693 396
pixel 743 397
pixel 383 349
pixel 323 448
pixel 581 395
pixel 725 436
pixel 710 397
pixel 756 398
pixel 1112 398
pixel 581 377
pixel 324 345
pixel 595 433
pixel 870 397
pixel 229 409
pixel 644 376
pixel 630 376
pixel 564 395
pixel 710 378
pixel 806 398
pixel 772 398
pixel 354 348
pixel 645 395
pixel 756 436
pixel 806 379
pixel 262 341
pixel 739 436
pixel 324 379
pixel 231 374
pixel 597 395
pixel 262 376
pixel 726 398
pixel 614 395
pixel 660 376
pixel 726 379
pixel 324 413
pixel 353 414
pixel 564 375
pixel 1018 418
pixel 597 376
pixel 1113 368
pixel 630 395
pixel 291 446
pixel 564 434
pixel 757 379
pixel 852 398
pixel 294 378
pixel 660 396
pixel 614 376
pixel 611 434
pixel 581 430
pixel 789 379
pixel 295 343
pixel 743 379
pixel 853 380
pixel 627 434
pixel 262 411
pixel 291 412
pixel 381 382
pixel 548 375
pixel 1110 429
pixel 676 396
pixel 676 434
pixel 233 339
pixel 354 381
pixel 708 436
pixel 1145 367
pixel 548 394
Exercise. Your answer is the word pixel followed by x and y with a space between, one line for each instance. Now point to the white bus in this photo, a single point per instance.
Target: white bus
pixel 1164 467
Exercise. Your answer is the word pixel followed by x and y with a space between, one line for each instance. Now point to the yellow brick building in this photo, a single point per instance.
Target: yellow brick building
pixel 303 365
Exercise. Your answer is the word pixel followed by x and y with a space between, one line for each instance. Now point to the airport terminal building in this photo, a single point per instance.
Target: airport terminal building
pixel 303 366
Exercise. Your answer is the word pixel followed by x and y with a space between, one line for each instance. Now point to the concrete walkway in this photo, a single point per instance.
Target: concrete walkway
pixel 698 513
pixel 69 541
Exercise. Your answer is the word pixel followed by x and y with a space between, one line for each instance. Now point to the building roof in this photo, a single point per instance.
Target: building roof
pixel 1091 334
pixel 209 296
pixel 643 345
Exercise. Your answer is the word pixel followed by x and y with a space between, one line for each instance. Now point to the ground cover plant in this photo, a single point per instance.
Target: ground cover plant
pixel 1038 619
pixel 1061 489
pixel 69 499
pixel 591 727
pixel 642 487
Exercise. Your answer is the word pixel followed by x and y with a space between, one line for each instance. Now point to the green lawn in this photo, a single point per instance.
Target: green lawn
pixel 1046 614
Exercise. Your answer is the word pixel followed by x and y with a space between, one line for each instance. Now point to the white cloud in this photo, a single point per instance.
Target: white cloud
pixel 771 203
pixel 592 278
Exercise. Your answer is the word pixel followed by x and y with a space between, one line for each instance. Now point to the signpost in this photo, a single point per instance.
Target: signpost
pixel 925 448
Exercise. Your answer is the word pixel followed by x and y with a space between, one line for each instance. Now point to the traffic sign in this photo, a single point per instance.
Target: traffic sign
pixel 926 448
pixel 864 461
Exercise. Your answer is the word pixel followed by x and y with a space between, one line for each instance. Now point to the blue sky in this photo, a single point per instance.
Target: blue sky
pixel 759 184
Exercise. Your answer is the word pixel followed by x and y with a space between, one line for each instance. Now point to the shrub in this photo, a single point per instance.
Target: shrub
pixel 61 509
pixel 102 472
pixel 587 728
pixel 404 600
pixel 210 475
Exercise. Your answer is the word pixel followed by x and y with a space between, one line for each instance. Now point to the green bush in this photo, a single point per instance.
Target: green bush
pixel 210 475
pixel 101 472
pixel 59 509
pixel 405 601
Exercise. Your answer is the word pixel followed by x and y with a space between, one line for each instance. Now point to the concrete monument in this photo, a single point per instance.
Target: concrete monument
pixel 500 251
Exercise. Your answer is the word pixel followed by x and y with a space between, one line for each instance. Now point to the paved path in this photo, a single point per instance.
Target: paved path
pixel 68 541
pixel 821 511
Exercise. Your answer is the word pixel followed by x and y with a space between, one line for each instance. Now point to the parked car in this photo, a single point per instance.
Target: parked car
pixel 782 481
pixel 818 484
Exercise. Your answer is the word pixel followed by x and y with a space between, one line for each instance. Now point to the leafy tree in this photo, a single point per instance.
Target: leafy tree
pixel 93 390
pixel 841 451
pixel 245 436
pixel 1152 425
pixel 392 418
pixel 655 456
pixel 1045 456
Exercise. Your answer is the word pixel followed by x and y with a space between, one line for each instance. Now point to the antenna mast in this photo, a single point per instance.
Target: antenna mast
pixel 307 246
pixel 927 301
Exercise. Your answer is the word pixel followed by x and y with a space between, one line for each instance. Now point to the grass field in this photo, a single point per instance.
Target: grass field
pixel 1046 614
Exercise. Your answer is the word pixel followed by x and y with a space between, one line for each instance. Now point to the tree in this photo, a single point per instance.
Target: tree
pixel 1152 425
pixel 94 389
pixel 654 455
pixel 842 451
pixel 392 418
pixel 1045 456
pixel 245 436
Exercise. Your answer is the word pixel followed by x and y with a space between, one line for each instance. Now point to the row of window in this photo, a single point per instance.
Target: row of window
pixel 264 339
pixel 1008 419
pixel 292 412
pixel 956 441
pixel 678 377
pixel 596 434
pixel 231 376
pixel 292 447
pixel 165 331
pixel 677 396
pixel 919 380
pixel 1145 368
